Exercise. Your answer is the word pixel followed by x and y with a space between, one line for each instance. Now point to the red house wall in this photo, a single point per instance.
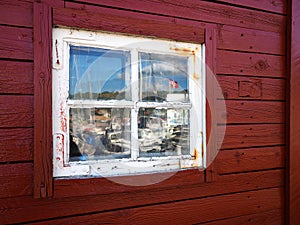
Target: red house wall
pixel 249 172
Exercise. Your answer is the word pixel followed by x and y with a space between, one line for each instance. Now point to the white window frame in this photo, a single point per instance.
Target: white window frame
pixel 62 167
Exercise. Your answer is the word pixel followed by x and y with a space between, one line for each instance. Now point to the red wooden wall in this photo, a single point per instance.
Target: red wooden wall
pixel 249 172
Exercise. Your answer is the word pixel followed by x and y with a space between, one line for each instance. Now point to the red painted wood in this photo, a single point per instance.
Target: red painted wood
pixel 16 144
pixel 256 135
pixel 245 112
pixel 187 212
pixel 16 111
pixel 16 43
pixel 17 13
pixel 146 25
pixel 250 40
pixel 42 101
pixel 203 11
pixel 250 159
pixel 16 77
pixel 16 180
pixel 20 209
pixel 277 6
pixel 271 89
pixel 230 62
pixel 294 129
pixel 273 217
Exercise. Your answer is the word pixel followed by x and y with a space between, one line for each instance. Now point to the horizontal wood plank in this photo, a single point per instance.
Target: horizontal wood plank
pixel 16 180
pixel 245 112
pixel 250 40
pixel 16 77
pixel 251 159
pixel 16 210
pixel 273 217
pixel 130 23
pixel 189 211
pixel 16 43
pixel 262 65
pixel 270 89
pixel 256 135
pixel 201 10
pixel 16 111
pixel 16 144
pixel 277 6
pixel 17 13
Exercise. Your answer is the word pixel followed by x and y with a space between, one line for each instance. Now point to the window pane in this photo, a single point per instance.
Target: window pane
pixel 97 73
pixel 99 133
pixel 163 77
pixel 163 131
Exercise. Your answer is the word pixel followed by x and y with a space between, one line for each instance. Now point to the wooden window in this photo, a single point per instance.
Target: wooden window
pixel 124 105
pixel 160 28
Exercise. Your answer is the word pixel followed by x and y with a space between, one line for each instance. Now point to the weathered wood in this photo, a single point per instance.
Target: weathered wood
pixel 42 101
pixel 16 43
pixel 251 159
pixel 203 11
pixel 250 40
pixel 16 111
pixel 198 210
pixel 16 210
pixel 230 62
pixel 16 77
pixel 294 114
pixel 277 6
pixel 271 89
pixel 16 180
pixel 17 13
pixel 256 135
pixel 16 144
pixel 243 112
pixel 273 217
pixel 134 23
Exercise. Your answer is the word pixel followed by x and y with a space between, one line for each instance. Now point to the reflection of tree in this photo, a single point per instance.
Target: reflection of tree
pixel 106 95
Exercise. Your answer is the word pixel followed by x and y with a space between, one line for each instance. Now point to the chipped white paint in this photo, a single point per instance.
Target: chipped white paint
pixel 62 39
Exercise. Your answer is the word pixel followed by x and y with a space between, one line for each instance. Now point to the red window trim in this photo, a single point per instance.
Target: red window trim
pixel 45 17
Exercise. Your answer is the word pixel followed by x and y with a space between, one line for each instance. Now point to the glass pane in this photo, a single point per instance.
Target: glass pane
pixel 97 73
pixel 163 77
pixel 163 132
pixel 99 133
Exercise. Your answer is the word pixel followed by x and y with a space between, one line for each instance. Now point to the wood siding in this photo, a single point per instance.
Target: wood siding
pixel 249 171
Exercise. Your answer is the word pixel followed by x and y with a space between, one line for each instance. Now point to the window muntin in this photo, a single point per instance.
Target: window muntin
pixel 136 116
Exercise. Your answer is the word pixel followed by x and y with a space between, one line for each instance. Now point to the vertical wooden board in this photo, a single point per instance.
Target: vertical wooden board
pixel 16 77
pixel 17 13
pixel 42 100
pixel 271 89
pixel 16 111
pixel 203 11
pixel 16 144
pixel 245 112
pixel 230 62
pixel 16 180
pixel 273 217
pixel 251 159
pixel 250 40
pixel 187 212
pixel 16 43
pixel 277 6
pixel 242 136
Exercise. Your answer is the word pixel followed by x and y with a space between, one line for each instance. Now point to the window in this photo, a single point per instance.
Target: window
pixel 126 105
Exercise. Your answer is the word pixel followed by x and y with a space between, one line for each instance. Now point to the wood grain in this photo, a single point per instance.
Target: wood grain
pixel 262 65
pixel 250 40
pixel 16 144
pixel 16 77
pixel 271 89
pixel 250 159
pixel 16 43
